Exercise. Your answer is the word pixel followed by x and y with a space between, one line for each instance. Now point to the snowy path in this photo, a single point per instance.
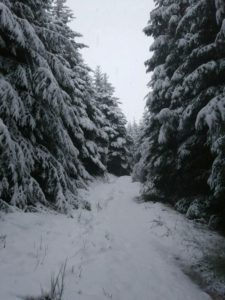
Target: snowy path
pixel 121 250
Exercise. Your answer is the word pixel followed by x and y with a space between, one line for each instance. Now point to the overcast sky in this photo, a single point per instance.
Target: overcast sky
pixel 113 30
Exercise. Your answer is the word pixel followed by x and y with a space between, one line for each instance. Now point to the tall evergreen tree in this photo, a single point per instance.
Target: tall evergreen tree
pixel 142 150
pixel 62 11
pixel 44 103
pixel 117 152
pixel 185 128
pixel 161 121
pixel 133 132
pixel 89 116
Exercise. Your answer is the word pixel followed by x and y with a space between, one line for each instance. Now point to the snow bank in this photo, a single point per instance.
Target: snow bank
pixel 120 250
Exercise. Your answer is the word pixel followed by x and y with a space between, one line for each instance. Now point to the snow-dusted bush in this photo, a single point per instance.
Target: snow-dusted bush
pixel 182 205
pixel 197 209
pixel 215 222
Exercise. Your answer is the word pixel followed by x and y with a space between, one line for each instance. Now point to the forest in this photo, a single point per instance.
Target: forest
pixel 60 126
pixel 67 152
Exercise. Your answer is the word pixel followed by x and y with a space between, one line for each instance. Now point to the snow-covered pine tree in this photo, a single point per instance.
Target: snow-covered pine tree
pixel 211 94
pixel 142 151
pixel 185 129
pixel 115 126
pixel 90 118
pixel 103 143
pixel 159 139
pixel 62 11
pixel 92 122
pixel 192 86
pixel 133 133
pixel 197 81
pixel 40 112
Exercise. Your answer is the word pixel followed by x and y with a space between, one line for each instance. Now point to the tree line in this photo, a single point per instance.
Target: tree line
pixel 60 123
pixel 181 159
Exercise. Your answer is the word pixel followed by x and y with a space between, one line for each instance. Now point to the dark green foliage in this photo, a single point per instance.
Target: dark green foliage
pixel 49 120
pixel 184 133
pixel 117 155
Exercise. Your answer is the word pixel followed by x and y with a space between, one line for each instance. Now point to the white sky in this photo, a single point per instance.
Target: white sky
pixel 113 30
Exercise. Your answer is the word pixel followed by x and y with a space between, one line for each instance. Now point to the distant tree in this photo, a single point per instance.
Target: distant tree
pixel 142 151
pixel 117 152
pixel 62 11
pixel 133 132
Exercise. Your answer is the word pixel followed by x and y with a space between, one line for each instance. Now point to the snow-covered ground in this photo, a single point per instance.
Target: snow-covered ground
pixel 120 250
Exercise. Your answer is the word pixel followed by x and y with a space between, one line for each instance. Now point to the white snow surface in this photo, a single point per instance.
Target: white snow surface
pixel 120 250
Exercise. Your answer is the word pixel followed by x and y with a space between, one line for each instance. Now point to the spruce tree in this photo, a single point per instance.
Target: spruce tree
pixel 89 116
pixel 185 127
pixel 115 126
pixel 142 151
pixel 133 132
pixel 62 11
pixel 159 140
pixel 42 109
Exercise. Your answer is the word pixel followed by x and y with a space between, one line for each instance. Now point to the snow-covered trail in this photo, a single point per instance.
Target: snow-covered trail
pixel 120 250
pixel 127 261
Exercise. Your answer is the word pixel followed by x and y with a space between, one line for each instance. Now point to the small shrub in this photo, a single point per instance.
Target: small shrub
pixel 214 222
pixel 182 205
pixel 197 209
